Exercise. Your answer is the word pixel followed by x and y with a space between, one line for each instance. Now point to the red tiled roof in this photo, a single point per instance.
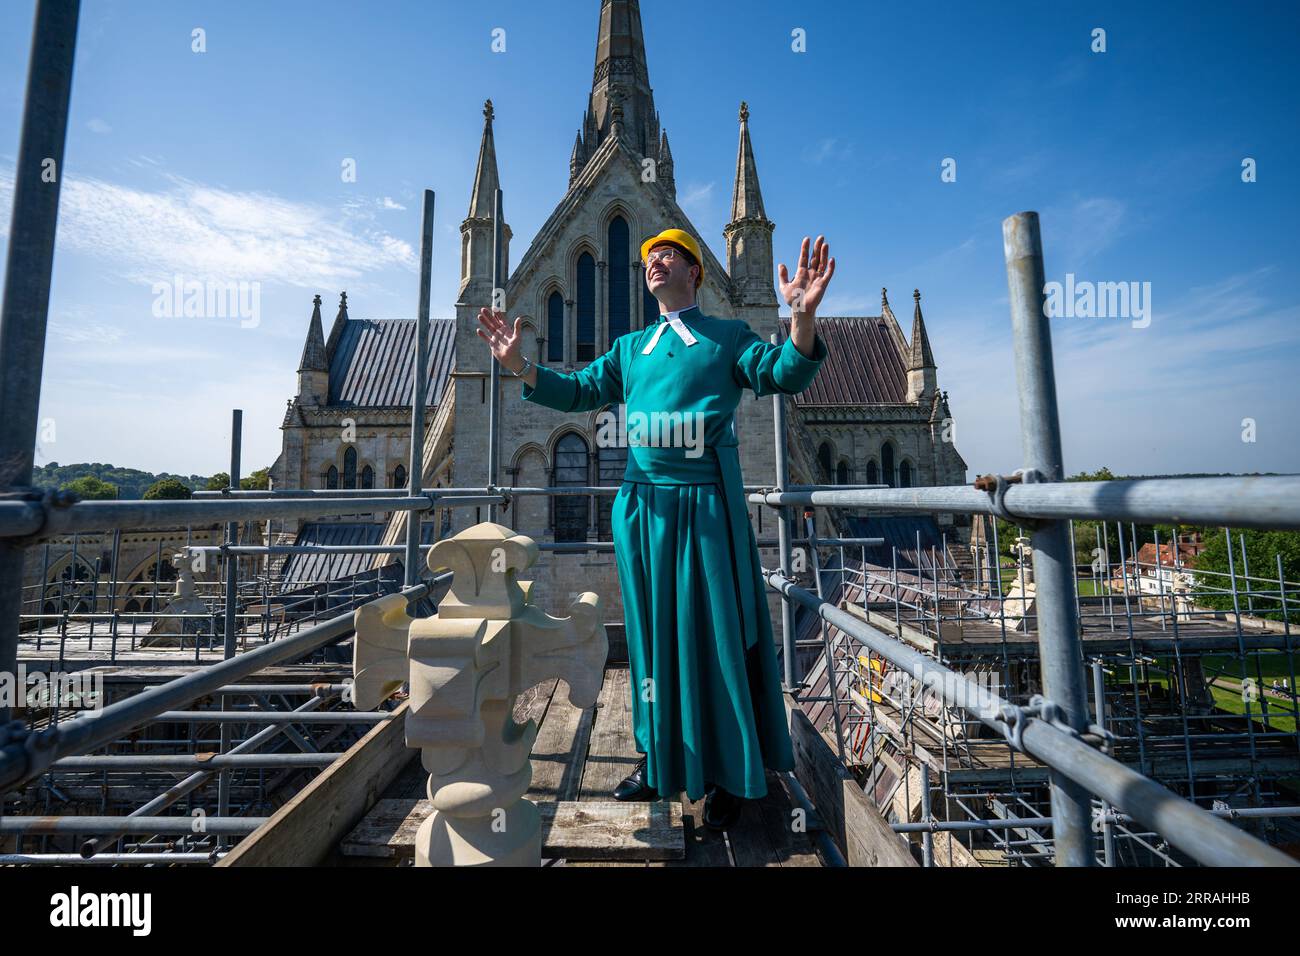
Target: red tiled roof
pixel 864 366
pixel 1187 552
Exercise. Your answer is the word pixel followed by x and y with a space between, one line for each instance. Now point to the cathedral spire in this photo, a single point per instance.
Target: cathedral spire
pixel 576 159
pixel 922 379
pixel 746 197
pixel 313 352
pixel 621 77
pixel 340 322
pixel 476 229
pixel 313 370
pixel 921 356
pixel 486 180
pixel 664 168
pixel 749 233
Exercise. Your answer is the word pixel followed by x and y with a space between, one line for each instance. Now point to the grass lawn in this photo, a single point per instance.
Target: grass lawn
pixel 1227 700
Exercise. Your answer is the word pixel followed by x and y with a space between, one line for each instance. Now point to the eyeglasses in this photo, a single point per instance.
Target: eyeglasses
pixel 664 255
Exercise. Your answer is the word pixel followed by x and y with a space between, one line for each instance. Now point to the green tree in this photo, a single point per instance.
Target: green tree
pixel 1262 551
pixel 259 480
pixel 218 482
pixel 167 488
pixel 1101 474
pixel 90 488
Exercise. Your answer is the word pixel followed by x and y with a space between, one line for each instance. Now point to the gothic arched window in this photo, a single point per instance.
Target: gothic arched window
pixel 571 468
pixel 555 328
pixel 887 463
pixel 399 477
pixel 842 473
pixel 586 308
pixel 332 477
pixel 611 464
pixel 367 477
pixel 620 279
pixel 824 460
pixel 873 473
pixel 905 475
pixel 350 468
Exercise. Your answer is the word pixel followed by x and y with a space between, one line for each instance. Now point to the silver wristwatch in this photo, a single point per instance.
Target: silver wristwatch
pixel 528 363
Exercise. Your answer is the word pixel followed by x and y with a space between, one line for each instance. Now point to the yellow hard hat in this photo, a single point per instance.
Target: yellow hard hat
pixel 681 239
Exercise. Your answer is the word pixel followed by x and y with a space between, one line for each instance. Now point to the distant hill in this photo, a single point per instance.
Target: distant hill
pixel 130 482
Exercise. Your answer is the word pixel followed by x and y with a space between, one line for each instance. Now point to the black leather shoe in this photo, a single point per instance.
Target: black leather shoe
pixel 634 785
pixel 722 809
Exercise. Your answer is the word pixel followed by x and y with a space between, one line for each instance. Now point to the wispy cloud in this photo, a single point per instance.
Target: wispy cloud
pixel 1167 398
pixel 209 233
pixel 97 125
pixel 695 195
pixel 1083 228
pixel 97 332
pixel 827 148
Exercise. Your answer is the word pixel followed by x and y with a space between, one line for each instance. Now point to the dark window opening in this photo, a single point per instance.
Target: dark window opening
pixel 571 468
pixel 612 466
pixel 586 308
pixel 350 468
pixel 555 328
pixel 620 279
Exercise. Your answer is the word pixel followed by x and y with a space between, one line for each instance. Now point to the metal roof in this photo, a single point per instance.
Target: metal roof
pixel 303 569
pixel 371 364
pixel 864 365
pixel 900 532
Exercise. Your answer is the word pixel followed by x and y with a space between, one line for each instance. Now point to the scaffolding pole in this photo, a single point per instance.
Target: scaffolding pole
pixel 24 313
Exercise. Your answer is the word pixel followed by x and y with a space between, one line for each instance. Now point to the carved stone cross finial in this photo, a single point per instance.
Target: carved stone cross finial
pixel 465 666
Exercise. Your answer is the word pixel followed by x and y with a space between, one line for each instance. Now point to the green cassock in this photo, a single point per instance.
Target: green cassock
pixel 706 693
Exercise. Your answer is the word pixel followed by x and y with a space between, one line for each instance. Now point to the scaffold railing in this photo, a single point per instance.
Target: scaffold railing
pixel 1090 790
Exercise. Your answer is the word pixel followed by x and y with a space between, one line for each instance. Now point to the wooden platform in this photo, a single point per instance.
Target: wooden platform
pixel 578 758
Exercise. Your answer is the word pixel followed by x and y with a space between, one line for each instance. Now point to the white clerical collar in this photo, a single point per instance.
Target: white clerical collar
pixel 673 321
pixel 676 313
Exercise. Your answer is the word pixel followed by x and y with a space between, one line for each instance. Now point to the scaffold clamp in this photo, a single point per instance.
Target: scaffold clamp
pixel 47 500
pixel 996 486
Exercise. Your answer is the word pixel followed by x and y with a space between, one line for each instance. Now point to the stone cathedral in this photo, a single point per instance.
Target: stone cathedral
pixel 874 414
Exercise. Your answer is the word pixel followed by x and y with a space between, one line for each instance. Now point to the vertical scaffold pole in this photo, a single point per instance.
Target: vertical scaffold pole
pixel 232 537
pixel 232 603
pixel 24 312
pixel 792 675
pixel 1040 434
pixel 494 386
pixel 418 396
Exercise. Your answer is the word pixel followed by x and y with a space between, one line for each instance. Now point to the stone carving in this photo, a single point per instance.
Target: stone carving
pixel 171 631
pixel 465 665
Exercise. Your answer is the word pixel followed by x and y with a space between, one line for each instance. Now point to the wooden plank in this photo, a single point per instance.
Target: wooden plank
pixel 560 749
pixel 611 753
pixel 750 845
pixel 305 830
pixel 704 847
pixel 609 830
pixel 571 830
pixel 854 823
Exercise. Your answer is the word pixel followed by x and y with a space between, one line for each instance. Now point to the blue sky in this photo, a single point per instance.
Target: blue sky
pixel 226 164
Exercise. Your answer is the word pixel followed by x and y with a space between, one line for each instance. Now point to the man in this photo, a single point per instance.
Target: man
pixel 707 709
